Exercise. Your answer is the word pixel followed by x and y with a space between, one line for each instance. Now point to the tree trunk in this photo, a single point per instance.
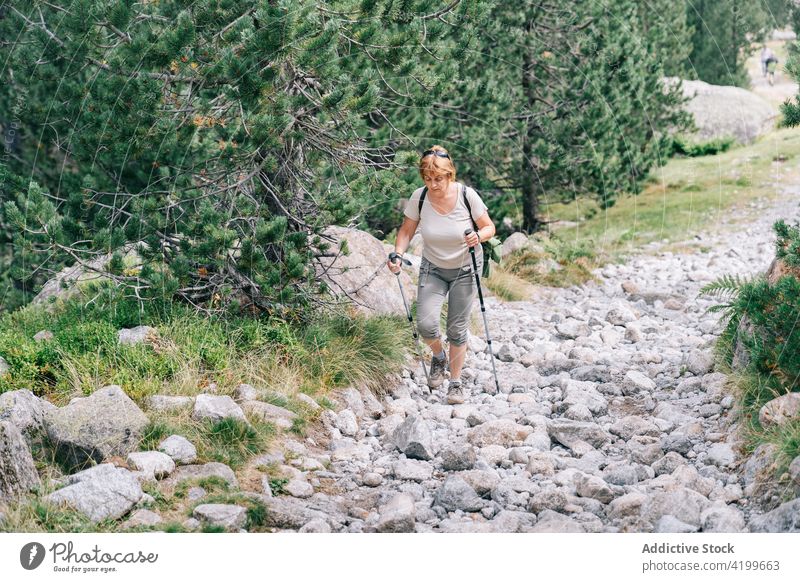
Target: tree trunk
pixel 528 171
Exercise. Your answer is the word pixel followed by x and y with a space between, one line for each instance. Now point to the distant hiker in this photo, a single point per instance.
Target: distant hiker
pixel 767 57
pixel 445 270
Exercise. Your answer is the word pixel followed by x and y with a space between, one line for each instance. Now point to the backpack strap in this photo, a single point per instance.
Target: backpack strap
pixel 469 209
pixel 421 200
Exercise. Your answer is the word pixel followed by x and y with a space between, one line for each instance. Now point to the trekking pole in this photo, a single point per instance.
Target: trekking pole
pixel 392 257
pixel 483 307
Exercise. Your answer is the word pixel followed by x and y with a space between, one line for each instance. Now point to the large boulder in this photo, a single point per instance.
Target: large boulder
pixel 516 241
pixel 26 411
pixel 71 280
pixel 780 411
pixel 722 111
pixel 102 492
pixel 362 275
pixel 17 472
pixel 107 423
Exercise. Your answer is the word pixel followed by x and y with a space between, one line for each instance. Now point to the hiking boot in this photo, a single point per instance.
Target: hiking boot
pixel 455 393
pixel 437 372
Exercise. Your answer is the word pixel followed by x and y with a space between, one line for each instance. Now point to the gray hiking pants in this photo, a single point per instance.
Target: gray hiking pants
pixel 434 285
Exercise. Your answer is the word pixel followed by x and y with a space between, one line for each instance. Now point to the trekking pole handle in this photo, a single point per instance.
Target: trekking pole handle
pixel 393 257
pixel 469 232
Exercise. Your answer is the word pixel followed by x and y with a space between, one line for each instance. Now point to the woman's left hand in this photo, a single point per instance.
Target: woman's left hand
pixel 472 239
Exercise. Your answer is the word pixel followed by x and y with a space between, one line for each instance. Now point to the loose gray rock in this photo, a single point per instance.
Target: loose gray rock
pixel 780 410
pixel 163 403
pixel 216 408
pixel 136 335
pixel 682 503
pixel 43 336
pixel 372 479
pixel 231 517
pixel 668 463
pixel 316 526
pixel 700 363
pixel 671 524
pixel 548 500
pixel 142 518
pixel 636 382
pixel 308 401
pixel 347 422
pixel 179 449
pixel 481 480
pixel 27 412
pixel 721 455
pixel 456 494
pixel 289 513
pixel 413 437
pixel 266 412
pixel 628 505
pixel 195 493
pixel 152 463
pixel 412 470
pixel 186 472
pixel 245 392
pixel 299 488
pixel 4 367
pixel 630 426
pixel 501 432
pixel 552 522
pixel 102 492
pixel 567 432
pixel 398 515
pixel 106 423
pixel 620 474
pixel 515 242
pixel 784 518
pixel 595 488
pixel 18 473
pixel 458 457
pixel 721 518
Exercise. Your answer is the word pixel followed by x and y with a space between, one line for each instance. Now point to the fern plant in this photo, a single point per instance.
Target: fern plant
pixel 726 288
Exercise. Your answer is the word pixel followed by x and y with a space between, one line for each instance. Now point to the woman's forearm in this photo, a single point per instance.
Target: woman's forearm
pixel 486 232
pixel 401 243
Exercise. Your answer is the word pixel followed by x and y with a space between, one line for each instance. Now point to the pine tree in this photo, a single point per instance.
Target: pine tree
pixel 223 135
pixel 556 102
pixel 721 43
pixel 667 34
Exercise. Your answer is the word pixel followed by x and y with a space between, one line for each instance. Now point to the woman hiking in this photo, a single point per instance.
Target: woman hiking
pixel 448 209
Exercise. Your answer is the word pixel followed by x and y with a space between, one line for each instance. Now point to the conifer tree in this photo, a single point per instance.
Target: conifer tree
pixel 557 101
pixel 223 135
pixel 722 40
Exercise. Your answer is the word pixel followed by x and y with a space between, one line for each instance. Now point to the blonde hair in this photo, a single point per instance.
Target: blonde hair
pixel 437 164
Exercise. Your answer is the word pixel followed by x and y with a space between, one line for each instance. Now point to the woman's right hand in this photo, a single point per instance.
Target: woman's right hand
pixel 394 267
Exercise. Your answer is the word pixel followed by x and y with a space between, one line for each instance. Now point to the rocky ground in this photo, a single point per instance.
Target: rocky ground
pixel 610 418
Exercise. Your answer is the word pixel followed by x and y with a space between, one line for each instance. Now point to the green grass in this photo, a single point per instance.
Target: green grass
pixel 506 285
pixel 228 441
pixel 685 197
pixel 575 261
pixel 192 351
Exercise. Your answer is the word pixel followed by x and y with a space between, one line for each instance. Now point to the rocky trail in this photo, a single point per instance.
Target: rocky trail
pixel 610 417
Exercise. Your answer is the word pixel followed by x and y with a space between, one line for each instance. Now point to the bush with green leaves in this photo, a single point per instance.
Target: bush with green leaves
pixel 771 310
pixel 685 147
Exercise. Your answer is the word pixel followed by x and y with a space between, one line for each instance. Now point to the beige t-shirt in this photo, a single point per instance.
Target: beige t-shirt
pixel 443 234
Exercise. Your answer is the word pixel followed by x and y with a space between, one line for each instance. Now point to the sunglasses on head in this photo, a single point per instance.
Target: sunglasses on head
pixel 436 153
